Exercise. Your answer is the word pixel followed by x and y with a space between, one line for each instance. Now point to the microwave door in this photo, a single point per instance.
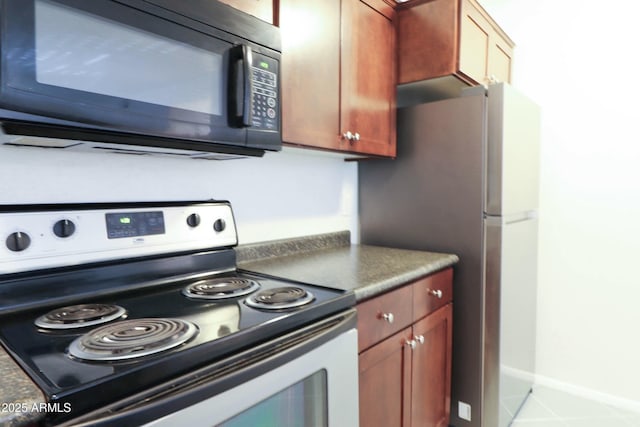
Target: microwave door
pixel 106 65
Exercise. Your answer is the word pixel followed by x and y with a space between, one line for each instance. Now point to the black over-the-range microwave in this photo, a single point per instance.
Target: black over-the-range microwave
pixel 192 76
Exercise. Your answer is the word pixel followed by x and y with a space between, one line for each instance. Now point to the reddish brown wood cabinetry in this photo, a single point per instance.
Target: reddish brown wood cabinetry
pixel 431 374
pixel 310 72
pixel 453 41
pixel 339 75
pixel 368 78
pixel 385 378
pixel 405 341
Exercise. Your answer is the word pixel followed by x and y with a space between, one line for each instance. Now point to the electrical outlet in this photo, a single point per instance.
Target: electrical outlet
pixel 464 411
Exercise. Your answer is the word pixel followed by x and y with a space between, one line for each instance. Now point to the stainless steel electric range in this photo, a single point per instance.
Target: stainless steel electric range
pixel 135 314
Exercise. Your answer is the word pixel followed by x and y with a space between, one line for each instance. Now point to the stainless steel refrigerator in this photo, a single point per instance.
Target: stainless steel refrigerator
pixel 466 181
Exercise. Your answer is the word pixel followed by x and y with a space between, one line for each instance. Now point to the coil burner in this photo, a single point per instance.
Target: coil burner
pixel 80 316
pixel 281 298
pixel 131 339
pixel 221 288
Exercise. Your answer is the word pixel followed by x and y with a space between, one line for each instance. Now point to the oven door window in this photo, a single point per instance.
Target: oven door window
pixel 302 404
pixel 106 64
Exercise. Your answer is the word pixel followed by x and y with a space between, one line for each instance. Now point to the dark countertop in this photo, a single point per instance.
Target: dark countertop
pixel 327 260
pixel 331 260
pixel 19 397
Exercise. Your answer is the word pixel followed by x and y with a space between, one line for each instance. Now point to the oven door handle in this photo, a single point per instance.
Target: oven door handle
pixel 207 382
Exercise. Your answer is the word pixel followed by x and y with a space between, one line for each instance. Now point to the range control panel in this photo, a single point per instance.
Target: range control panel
pixel 32 240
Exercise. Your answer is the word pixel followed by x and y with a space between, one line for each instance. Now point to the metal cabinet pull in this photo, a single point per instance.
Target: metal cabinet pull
pixel 388 317
pixel 412 344
pixel 351 137
pixel 419 338
pixel 436 293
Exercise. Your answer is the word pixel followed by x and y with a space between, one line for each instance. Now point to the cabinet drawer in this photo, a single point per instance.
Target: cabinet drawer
pixel 432 292
pixel 382 316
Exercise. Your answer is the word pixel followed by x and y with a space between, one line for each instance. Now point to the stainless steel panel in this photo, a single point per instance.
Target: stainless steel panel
pixel 510 324
pixel 513 156
pixel 431 198
pixel 341 387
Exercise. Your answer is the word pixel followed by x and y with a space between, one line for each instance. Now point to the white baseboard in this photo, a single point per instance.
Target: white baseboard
pixel 518 373
pixel 587 393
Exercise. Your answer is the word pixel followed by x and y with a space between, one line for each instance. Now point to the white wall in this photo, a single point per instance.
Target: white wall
pixel 285 194
pixel 578 60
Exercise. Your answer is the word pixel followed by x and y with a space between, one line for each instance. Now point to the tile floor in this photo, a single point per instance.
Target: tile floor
pixel 552 408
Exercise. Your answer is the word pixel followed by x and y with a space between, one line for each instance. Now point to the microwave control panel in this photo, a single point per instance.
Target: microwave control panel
pixel 265 100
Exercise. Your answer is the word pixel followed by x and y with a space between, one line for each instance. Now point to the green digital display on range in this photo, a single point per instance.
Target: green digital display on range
pixel 134 224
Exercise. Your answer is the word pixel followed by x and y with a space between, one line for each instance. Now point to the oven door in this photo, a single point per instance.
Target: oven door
pixel 135 69
pixel 307 378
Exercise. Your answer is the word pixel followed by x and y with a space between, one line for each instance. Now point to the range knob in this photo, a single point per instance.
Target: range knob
pixel 219 225
pixel 18 241
pixel 64 228
pixel 193 220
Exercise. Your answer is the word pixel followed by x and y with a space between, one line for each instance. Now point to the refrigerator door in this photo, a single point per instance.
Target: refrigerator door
pixel 510 316
pixel 513 152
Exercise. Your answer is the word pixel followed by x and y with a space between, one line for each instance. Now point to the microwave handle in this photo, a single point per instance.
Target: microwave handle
pixel 240 86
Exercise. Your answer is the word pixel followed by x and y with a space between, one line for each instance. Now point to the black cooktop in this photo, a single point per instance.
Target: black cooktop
pixel 224 327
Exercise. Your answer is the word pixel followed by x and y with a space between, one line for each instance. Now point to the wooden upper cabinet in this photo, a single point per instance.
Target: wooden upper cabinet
pixel 443 38
pixel 339 75
pixel 263 9
pixel 310 72
pixel 368 77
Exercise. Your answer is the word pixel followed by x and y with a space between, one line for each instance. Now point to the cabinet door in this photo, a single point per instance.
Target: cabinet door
pixel 385 382
pixel 310 32
pixel 500 59
pixel 368 77
pixel 431 375
pixel 485 54
pixel 474 43
pixel 427 41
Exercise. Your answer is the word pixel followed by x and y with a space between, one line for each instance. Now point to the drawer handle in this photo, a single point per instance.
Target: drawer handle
pixel 419 339
pixel 436 293
pixel 412 344
pixel 388 317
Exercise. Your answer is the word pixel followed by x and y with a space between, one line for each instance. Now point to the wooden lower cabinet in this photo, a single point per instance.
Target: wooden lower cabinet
pixel 405 378
pixel 431 370
pixel 385 377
